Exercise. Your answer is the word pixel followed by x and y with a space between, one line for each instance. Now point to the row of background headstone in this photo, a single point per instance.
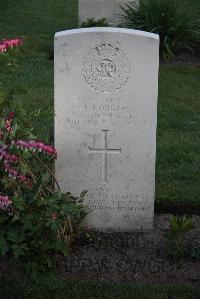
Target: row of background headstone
pixel 98 9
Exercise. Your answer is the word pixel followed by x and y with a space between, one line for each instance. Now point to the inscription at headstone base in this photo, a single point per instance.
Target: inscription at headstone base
pixel 106 82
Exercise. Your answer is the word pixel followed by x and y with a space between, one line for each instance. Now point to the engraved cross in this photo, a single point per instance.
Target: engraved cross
pixel 104 151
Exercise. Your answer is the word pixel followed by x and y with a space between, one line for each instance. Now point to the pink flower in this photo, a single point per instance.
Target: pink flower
pixel 8 125
pixel 22 178
pixel 11 115
pixel 6 44
pixel 15 174
pixel 3 147
pixel 35 146
pixel 3 48
pixel 9 121
pixel 7 157
pixel 11 171
pixel 4 202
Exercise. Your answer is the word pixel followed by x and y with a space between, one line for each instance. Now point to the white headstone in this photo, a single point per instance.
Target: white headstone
pixel 106 82
pixel 98 9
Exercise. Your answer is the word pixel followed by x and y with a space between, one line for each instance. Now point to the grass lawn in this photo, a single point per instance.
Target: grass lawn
pixel 31 86
pixel 178 156
pixel 58 289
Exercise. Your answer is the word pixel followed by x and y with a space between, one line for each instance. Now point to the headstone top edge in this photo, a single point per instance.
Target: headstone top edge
pixel 107 29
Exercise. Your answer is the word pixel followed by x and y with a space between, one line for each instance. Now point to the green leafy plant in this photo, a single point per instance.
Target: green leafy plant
pixel 179 226
pixel 8 51
pixel 37 220
pixel 91 22
pixel 176 28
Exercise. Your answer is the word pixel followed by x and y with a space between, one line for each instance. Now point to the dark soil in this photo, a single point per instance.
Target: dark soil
pixel 177 209
pixel 186 58
pixel 128 257
pixel 133 257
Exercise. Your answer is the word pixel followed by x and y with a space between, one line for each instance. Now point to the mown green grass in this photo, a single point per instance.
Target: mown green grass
pixel 57 289
pixel 178 155
pixel 37 18
pixel 178 139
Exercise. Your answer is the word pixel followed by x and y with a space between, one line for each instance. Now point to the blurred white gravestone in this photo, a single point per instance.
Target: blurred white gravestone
pixel 106 82
pixel 98 9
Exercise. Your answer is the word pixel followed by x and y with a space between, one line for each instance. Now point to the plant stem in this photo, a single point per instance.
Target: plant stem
pixel 31 173
pixel 49 170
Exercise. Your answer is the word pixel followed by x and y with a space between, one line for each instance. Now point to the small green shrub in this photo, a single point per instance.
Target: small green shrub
pixel 91 22
pixel 37 220
pixel 9 48
pixel 177 29
pixel 179 226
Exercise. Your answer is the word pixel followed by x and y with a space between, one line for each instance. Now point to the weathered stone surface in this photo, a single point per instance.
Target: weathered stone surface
pixel 98 9
pixel 105 126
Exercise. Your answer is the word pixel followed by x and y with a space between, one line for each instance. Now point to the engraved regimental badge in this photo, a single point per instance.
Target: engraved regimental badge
pixel 106 67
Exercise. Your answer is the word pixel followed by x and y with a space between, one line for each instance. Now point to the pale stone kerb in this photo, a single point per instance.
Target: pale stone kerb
pixel 132 32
